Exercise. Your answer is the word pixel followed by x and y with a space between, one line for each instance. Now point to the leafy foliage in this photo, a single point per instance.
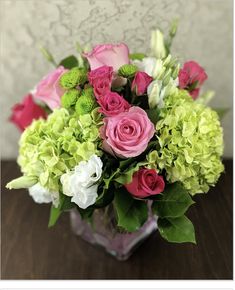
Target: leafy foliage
pixel 177 230
pixel 173 202
pixel 69 62
pixel 131 213
pixel 65 204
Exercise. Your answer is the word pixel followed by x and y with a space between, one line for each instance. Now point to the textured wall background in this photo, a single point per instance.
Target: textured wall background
pixel 205 35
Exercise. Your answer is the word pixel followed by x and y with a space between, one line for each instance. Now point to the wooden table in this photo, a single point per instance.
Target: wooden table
pixel 32 251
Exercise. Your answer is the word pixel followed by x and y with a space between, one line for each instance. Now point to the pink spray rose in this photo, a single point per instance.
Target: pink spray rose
pixel 101 88
pixel 112 104
pixel 101 79
pixel 146 182
pixel 127 134
pixel 103 72
pixel 49 90
pixel 108 54
pixel 140 83
pixel 191 78
pixel 24 113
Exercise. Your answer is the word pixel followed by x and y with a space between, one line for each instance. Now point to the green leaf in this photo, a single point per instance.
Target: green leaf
pixel 173 202
pixel 65 204
pixel 69 62
pixel 131 213
pixel 126 177
pixel 105 198
pixel 48 56
pixel 54 215
pixel 177 230
pixel 153 115
pixel 221 112
pixel 138 56
pixel 86 214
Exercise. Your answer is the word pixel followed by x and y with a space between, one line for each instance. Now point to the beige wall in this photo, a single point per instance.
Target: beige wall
pixel 205 35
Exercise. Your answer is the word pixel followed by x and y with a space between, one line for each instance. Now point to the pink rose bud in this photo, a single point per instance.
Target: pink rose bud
pixel 109 55
pixel 49 90
pixel 112 104
pixel 24 113
pixel 146 182
pixel 191 78
pixel 101 79
pixel 140 83
pixel 127 134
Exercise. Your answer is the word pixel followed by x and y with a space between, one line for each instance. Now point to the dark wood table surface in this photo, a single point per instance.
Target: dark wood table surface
pixel 32 251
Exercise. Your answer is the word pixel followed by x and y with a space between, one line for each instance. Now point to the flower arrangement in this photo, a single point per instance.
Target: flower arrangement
pixel 131 130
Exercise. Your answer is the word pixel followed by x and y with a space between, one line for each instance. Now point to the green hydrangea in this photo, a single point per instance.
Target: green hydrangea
pixel 69 98
pixel 76 76
pixel 190 143
pixel 49 148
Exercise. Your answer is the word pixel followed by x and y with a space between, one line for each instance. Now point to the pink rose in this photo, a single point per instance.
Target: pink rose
pixel 109 55
pixel 24 113
pixel 101 88
pixel 103 72
pixel 101 79
pixel 112 104
pixel 140 83
pixel 191 78
pixel 49 90
pixel 146 182
pixel 127 134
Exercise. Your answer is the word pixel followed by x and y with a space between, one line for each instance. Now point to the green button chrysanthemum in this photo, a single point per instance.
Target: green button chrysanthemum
pixel 76 76
pixel 69 98
pixel 86 103
pixel 127 70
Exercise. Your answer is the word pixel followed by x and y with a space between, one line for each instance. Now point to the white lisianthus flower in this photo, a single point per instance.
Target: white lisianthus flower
pixel 42 195
pixel 157 91
pixel 80 183
pixel 150 65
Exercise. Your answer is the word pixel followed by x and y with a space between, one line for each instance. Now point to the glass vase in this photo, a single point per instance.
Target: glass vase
pixel 103 231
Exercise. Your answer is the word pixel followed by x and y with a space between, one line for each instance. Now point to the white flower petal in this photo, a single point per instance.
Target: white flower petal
pixel 41 195
pixel 65 180
pixel 85 196
pixel 80 183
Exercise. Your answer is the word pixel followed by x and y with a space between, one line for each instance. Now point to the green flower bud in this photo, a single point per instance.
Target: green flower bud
pixel 76 76
pixel 22 182
pixel 127 70
pixel 173 27
pixel 85 104
pixel 88 91
pixel 48 56
pixel 167 60
pixel 173 62
pixel 175 72
pixel 69 98
pixel 158 48
pixel 166 78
